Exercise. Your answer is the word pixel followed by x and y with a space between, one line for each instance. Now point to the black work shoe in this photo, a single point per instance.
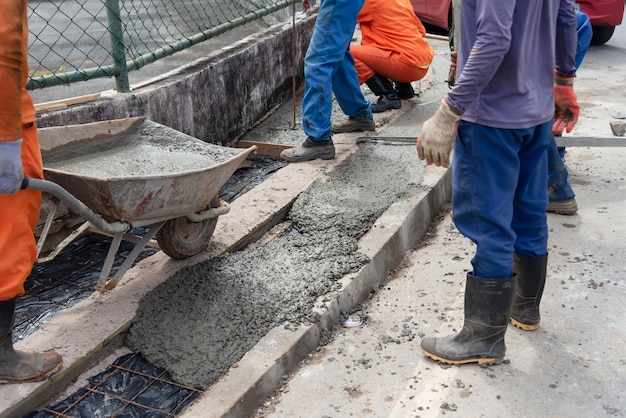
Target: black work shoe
pixel 404 90
pixel 310 150
pixel 386 102
pixel 354 125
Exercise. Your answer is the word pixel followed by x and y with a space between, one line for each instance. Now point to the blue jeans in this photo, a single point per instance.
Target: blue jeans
pixel 329 68
pixel 558 185
pixel 499 200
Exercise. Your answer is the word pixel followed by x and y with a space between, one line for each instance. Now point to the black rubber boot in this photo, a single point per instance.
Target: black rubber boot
pixel 404 90
pixel 487 310
pixel 17 366
pixel 531 279
pixel 310 150
pixel 387 97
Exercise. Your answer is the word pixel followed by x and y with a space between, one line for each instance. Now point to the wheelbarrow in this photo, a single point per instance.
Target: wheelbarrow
pixel 142 175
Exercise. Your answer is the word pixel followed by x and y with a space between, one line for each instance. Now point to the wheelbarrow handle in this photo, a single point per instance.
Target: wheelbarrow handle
pixel 75 204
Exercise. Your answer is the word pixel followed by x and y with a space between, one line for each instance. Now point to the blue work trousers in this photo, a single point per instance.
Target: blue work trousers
pixel 329 68
pixel 558 184
pixel 499 200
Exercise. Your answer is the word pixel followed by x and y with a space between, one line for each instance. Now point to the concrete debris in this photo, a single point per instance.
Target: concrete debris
pixel 618 128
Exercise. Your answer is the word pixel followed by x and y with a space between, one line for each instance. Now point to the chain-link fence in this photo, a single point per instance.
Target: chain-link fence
pixel 78 40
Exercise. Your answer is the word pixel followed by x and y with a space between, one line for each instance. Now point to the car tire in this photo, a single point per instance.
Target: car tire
pixel 601 34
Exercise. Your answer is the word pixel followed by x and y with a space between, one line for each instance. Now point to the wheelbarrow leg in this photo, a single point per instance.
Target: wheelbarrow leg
pixel 63 244
pixel 108 262
pixel 137 249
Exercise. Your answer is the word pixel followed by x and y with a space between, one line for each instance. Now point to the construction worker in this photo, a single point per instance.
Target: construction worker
pixel 513 91
pixel 393 52
pixel 561 197
pixel 19 209
pixel 329 69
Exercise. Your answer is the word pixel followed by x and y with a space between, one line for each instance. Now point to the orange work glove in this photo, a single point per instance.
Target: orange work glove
pixel 566 108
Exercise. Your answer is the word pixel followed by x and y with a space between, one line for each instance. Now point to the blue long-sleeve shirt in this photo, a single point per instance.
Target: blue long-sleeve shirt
pixel 508 53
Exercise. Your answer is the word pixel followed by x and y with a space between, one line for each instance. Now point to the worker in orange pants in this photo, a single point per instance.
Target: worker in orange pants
pixel 393 52
pixel 19 209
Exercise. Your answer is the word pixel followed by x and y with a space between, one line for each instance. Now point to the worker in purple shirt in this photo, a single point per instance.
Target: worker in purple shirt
pixel 561 197
pixel 514 90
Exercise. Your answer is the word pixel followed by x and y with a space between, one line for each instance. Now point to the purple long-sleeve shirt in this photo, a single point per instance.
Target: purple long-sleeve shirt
pixel 507 57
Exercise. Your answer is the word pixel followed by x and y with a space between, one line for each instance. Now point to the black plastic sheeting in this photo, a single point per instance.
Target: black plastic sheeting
pixel 131 387
pixel 66 280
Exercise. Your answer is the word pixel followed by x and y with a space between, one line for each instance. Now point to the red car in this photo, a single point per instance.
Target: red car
pixel 604 15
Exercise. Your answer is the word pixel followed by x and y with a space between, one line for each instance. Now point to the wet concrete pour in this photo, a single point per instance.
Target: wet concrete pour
pixel 205 317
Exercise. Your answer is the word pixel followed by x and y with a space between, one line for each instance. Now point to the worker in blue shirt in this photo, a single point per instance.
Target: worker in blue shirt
pixel 514 90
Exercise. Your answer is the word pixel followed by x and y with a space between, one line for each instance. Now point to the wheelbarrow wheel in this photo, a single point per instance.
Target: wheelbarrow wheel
pixel 181 238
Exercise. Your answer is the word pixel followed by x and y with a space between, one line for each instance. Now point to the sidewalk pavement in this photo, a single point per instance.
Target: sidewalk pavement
pixel 574 365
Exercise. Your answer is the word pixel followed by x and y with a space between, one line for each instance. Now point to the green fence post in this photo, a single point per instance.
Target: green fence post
pixel 119 49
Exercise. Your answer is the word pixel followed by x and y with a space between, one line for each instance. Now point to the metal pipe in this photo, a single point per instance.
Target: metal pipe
pixel 117 41
pixel 75 204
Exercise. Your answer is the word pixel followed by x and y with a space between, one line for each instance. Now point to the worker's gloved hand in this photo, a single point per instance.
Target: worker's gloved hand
pixel 306 4
pixel 437 138
pixel 10 166
pixel 566 108
pixel 452 71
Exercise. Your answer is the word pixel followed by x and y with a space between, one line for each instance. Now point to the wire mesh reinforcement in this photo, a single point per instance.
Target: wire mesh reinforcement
pixel 79 40
pixel 130 387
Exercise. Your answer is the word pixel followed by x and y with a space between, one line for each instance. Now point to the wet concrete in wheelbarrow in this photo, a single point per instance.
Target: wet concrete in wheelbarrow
pixel 207 316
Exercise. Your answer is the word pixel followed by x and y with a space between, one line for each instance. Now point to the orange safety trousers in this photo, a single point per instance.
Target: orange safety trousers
pixel 18 212
pixel 370 60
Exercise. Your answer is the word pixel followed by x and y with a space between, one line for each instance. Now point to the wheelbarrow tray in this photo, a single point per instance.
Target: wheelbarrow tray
pixel 141 171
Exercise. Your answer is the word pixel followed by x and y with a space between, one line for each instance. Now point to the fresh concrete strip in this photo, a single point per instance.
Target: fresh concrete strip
pixel 249 382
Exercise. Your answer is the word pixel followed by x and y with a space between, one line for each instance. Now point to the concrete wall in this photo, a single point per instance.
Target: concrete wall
pixel 216 99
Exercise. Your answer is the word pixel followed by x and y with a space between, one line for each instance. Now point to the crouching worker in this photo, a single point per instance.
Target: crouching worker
pixel 393 51
pixel 19 209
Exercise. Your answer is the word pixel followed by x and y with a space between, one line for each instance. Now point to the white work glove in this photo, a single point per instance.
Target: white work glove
pixel 437 137
pixel 11 166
